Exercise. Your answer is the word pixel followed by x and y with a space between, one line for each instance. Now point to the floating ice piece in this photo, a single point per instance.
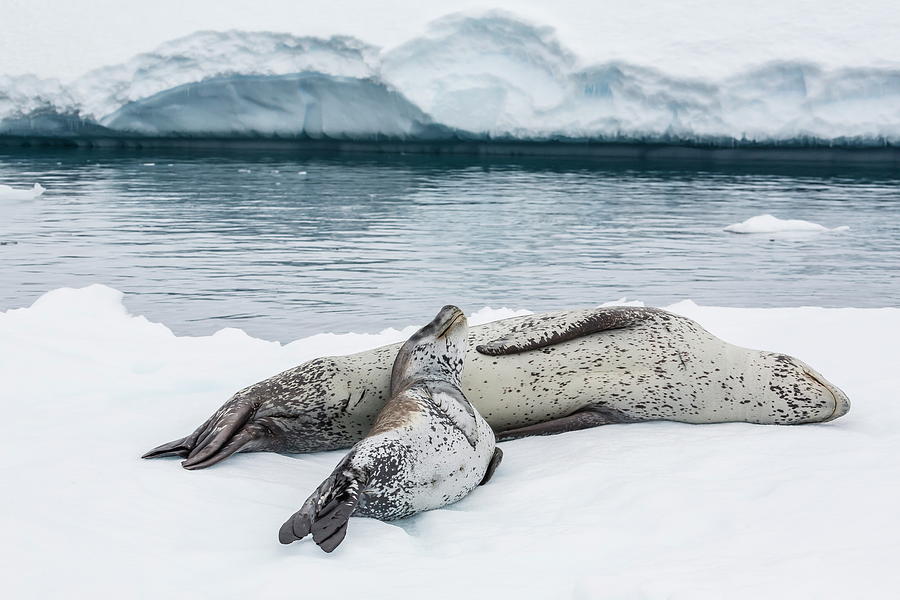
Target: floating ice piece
pixel 9 193
pixel 772 224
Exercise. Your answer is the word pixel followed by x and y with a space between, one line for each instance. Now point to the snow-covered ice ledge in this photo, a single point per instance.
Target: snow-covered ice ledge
pixel 651 510
pixel 490 77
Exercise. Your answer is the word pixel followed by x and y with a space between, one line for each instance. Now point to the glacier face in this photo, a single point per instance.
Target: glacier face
pixel 306 104
pixel 486 76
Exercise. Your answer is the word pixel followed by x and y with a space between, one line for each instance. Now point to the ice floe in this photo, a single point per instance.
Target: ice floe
pixel 648 510
pixel 11 193
pixel 772 224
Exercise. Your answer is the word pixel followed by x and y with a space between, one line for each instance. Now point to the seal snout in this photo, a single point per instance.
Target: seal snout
pixel 840 399
pixel 841 403
pixel 445 320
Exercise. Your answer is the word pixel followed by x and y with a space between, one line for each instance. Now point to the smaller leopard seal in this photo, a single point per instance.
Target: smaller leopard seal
pixel 428 447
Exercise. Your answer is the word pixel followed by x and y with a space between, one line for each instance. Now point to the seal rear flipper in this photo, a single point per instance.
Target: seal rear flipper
pixel 327 511
pixel 230 429
pixel 540 332
pixel 492 466
pixel 183 446
pixel 180 447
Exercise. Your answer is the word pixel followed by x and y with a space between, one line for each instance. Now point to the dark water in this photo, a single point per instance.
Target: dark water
pixel 359 243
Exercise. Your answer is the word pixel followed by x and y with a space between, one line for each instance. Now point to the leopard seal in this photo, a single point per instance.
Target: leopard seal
pixel 428 447
pixel 531 375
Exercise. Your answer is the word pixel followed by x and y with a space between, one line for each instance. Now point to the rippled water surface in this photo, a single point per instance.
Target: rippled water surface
pixel 284 245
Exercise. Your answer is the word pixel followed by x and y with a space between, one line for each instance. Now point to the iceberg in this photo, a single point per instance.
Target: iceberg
pixel 484 77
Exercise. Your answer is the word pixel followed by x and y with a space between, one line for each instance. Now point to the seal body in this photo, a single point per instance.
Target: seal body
pixel 427 448
pixel 536 374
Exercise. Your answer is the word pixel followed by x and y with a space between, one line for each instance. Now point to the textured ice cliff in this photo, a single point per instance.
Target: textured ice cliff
pixel 475 77
pixel 309 104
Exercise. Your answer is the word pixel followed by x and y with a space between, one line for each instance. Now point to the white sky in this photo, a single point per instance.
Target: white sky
pixel 65 38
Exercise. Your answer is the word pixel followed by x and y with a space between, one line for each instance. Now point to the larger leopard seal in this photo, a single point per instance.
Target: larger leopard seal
pixel 428 447
pixel 532 375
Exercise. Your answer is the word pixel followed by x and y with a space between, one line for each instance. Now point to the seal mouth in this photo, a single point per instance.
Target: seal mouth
pixel 454 319
pixel 839 399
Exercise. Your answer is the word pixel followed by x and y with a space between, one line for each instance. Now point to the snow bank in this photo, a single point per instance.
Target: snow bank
pixel 492 74
pixel 10 193
pixel 208 54
pixel 480 76
pixel 772 224
pixel 652 510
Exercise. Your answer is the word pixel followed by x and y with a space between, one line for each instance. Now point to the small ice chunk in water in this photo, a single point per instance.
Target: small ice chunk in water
pixel 148 164
pixel 10 193
pixel 772 224
pixel 244 171
pixel 301 172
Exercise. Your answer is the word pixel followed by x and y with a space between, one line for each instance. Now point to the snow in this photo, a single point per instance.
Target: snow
pixel 652 510
pixel 207 54
pixel 488 74
pixel 772 224
pixel 10 193
pixel 483 75
pixel 685 38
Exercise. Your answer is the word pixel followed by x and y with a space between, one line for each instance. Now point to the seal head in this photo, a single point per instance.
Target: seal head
pixel 797 389
pixel 436 352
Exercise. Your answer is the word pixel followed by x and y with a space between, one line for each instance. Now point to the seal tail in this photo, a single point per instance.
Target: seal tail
pixel 327 511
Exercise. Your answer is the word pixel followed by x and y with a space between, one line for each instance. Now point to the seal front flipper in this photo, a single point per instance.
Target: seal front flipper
pixel 581 419
pixel 543 331
pixel 327 511
pixel 454 405
pixel 492 466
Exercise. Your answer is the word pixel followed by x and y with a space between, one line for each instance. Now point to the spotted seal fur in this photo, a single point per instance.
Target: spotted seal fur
pixel 428 447
pixel 531 375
